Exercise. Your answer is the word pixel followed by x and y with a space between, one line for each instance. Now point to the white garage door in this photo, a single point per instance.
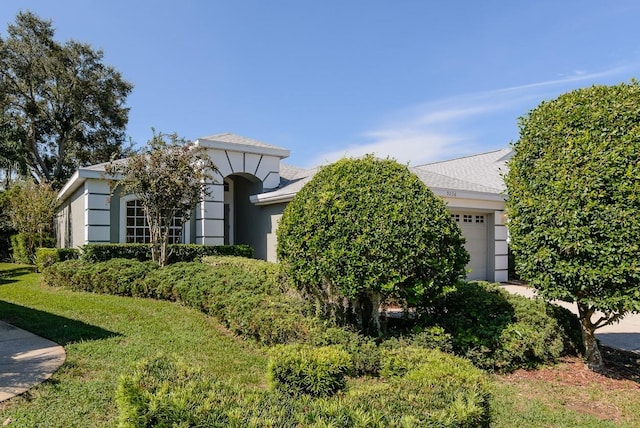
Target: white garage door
pixel 474 229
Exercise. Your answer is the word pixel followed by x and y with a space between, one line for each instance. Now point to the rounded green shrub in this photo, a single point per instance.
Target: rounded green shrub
pixel 303 369
pixel 367 230
pixel 502 331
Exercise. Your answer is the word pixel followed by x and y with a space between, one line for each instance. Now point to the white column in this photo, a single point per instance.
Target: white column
pixel 501 265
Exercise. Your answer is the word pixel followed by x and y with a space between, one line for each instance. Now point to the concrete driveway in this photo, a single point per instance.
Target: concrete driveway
pixel 623 335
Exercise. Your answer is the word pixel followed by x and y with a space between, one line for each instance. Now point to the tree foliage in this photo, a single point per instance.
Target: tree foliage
pixel 574 203
pixel 169 179
pixel 367 230
pixel 32 208
pixel 60 106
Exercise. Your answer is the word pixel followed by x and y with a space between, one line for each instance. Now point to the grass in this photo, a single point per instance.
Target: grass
pixel 105 335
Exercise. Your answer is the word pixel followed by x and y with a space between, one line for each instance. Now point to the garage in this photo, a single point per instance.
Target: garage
pixel 474 229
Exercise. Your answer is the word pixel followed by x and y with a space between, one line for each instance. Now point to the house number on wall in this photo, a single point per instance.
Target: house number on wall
pixel 450 193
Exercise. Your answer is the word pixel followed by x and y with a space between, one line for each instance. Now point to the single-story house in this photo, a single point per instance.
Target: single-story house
pixel 252 188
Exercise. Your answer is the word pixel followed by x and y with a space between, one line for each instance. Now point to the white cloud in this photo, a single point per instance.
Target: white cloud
pixel 456 126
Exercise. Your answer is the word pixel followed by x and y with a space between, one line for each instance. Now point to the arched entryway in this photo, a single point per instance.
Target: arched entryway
pixel 240 215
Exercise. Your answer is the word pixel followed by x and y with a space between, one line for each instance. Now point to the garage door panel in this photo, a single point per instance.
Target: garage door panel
pixel 474 229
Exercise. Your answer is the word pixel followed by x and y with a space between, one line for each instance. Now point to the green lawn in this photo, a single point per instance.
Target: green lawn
pixel 105 335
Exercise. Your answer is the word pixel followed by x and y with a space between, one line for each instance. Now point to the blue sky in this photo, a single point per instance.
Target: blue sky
pixel 415 80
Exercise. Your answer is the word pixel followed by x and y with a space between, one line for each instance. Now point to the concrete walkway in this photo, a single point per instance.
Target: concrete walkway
pixel 623 335
pixel 25 360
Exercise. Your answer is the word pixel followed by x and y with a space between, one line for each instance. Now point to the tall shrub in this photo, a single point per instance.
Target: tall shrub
pixel 573 206
pixel 363 230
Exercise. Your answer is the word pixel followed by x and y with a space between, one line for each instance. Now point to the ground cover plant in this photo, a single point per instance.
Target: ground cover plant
pixel 106 336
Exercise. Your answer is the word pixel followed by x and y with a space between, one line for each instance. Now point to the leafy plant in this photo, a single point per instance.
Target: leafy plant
pixel 573 203
pixel 169 178
pixel 304 369
pixel 363 230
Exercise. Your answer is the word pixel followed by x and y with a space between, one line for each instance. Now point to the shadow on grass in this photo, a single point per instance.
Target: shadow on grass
pixel 7 275
pixel 53 327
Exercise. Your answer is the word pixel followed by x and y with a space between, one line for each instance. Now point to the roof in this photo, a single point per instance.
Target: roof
pixel 228 141
pixel 478 175
pixel 469 172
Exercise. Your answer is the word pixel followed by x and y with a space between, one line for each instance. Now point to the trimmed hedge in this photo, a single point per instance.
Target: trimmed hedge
pixel 45 257
pixel 246 295
pixel 304 369
pixel 177 252
pixel 501 331
pixel 439 390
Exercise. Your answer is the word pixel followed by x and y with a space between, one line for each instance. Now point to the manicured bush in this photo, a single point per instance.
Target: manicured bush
pixel 441 390
pixel 116 276
pixel 20 250
pixel 178 252
pixel 364 352
pixel 502 331
pixel 304 369
pixel 366 230
pixel 167 392
pixel 433 337
pixel 244 294
pixel 45 257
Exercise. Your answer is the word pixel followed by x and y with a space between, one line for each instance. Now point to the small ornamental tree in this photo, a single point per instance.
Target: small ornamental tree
pixel 364 230
pixel 32 208
pixel 169 179
pixel 574 204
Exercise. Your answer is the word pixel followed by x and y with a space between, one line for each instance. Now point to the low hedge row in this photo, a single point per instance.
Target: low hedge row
pixel 244 294
pixel 45 257
pixel 177 252
pixel 438 390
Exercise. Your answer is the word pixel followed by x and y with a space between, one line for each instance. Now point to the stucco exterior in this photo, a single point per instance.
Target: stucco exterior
pixel 252 187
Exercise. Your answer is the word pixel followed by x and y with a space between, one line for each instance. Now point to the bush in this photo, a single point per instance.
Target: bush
pixel 246 295
pixel 364 352
pixel 439 391
pixel 167 392
pixel 304 369
pixel 20 250
pixel 117 276
pixel 502 331
pixel 368 230
pixel 428 338
pixel 45 257
pixel 178 252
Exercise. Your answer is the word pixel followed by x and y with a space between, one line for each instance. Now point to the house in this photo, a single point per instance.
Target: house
pixel 253 186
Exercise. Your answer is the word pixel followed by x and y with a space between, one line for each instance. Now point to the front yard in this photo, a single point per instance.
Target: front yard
pixel 105 335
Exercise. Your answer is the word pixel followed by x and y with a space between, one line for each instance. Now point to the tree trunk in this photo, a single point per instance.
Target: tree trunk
pixel 592 353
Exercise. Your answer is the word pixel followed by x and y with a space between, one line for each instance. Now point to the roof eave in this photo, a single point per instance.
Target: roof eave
pixel 237 147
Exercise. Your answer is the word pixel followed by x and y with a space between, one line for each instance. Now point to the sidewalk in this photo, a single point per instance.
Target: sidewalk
pixel 25 360
pixel 624 335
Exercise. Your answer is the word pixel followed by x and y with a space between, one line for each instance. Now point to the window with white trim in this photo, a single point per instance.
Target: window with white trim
pixel 137 229
pixel 479 219
pixel 455 217
pixel 466 218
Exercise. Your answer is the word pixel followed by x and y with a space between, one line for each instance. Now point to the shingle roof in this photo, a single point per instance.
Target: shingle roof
pixel 480 173
pixel 484 169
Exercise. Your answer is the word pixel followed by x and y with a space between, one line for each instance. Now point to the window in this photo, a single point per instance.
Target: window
pixel 138 230
pixel 479 219
pixel 456 217
pixel 467 218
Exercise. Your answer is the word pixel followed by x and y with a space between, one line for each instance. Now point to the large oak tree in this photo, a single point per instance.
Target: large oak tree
pixel 61 107
pixel 574 204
